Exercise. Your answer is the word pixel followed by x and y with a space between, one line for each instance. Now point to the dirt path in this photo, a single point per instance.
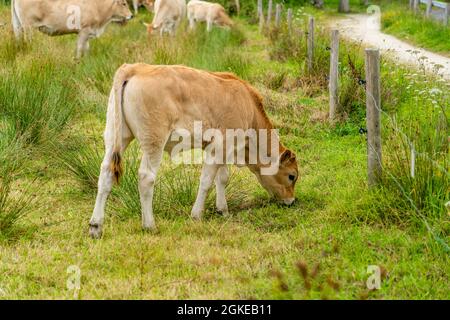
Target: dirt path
pixel 366 29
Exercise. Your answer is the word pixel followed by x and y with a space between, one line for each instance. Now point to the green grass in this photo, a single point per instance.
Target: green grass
pixel 262 251
pixel 401 22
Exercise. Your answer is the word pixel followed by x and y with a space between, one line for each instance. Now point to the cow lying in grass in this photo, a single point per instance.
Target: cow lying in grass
pixel 88 19
pixel 155 103
pixel 212 13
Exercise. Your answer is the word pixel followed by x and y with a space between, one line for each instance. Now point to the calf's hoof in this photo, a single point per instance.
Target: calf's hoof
pixel 196 216
pixel 150 229
pixel 95 231
pixel 224 213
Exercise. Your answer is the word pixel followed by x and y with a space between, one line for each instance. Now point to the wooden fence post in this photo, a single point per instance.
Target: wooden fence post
pixel 260 8
pixel 238 6
pixel 344 6
pixel 411 4
pixel 269 13
pixel 416 6
pixel 310 43
pixel 260 15
pixel 289 20
pixel 446 13
pixel 277 15
pixel 334 74
pixel 261 22
pixel 429 8
pixel 373 116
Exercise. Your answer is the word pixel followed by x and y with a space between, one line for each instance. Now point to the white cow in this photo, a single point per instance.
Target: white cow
pixel 86 18
pixel 212 13
pixel 168 16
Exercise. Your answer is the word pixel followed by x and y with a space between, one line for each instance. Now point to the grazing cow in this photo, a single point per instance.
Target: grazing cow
pixel 149 4
pixel 86 18
pixel 168 16
pixel 155 103
pixel 212 13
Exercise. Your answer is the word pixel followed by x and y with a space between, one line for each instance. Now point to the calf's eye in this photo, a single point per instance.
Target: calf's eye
pixel 291 177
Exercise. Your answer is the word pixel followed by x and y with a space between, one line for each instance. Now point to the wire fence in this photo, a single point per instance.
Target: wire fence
pixel 389 121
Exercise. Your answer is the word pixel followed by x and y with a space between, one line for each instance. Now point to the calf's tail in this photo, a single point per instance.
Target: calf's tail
pixel 16 20
pixel 123 74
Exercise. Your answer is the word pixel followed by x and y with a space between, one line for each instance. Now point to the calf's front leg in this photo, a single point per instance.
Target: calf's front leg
pixel 209 172
pixel 82 43
pixel 221 183
pixel 191 23
pixel 135 6
pixel 147 176
pixel 209 25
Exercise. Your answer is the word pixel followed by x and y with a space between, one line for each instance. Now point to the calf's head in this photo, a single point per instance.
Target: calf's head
pixel 223 19
pixel 281 185
pixel 120 11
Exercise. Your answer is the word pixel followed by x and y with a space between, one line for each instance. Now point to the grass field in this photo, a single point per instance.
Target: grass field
pixel 52 113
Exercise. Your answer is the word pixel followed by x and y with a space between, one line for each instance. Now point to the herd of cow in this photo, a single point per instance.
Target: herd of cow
pixel 89 19
pixel 157 105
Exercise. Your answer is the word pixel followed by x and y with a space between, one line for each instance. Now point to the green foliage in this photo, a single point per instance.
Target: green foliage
pixel 415 28
pixel 38 107
pixel 15 201
pixel 263 249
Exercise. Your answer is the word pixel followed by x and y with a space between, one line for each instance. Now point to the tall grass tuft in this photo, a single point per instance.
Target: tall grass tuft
pixel 15 200
pixel 38 106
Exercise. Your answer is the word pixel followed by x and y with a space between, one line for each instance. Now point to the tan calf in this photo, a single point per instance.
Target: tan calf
pixel 86 18
pixel 212 13
pixel 152 103
pixel 168 16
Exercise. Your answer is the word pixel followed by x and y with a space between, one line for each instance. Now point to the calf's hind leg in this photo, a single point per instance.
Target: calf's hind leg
pixel 82 43
pixel 147 176
pixel 105 183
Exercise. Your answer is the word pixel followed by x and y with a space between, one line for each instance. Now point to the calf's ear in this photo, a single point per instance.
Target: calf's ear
pixel 287 157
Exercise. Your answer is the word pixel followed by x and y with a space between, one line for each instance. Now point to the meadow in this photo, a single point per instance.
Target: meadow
pixel 52 115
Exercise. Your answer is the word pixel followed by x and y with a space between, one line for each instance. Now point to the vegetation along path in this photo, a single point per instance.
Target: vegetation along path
pixel 366 29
